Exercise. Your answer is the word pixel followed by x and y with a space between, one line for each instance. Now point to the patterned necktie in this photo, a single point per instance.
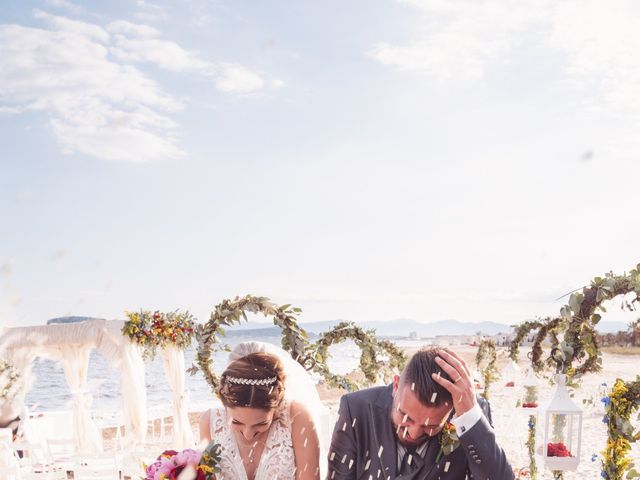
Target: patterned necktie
pixel 408 461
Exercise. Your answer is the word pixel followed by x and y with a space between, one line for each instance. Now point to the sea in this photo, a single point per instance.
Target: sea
pixel 49 390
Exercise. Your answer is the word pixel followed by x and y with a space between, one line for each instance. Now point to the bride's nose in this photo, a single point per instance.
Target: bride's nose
pixel 248 434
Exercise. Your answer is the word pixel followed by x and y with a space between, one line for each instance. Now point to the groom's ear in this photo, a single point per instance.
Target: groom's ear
pixel 396 383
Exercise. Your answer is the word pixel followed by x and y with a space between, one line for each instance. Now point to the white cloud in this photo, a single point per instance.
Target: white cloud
pixel 99 104
pixel 601 42
pixel 235 78
pixel 149 12
pixel 67 74
pixel 461 40
pixel 64 4
pixel 457 40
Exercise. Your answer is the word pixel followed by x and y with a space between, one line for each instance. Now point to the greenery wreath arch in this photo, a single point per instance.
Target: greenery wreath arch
pixel 620 405
pixel 370 347
pixel 486 358
pixel 229 312
pixel 578 352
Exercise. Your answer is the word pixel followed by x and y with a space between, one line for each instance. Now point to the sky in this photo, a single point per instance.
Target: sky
pixel 363 160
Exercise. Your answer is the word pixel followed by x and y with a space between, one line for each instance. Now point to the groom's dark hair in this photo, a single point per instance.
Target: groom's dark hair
pixel 417 376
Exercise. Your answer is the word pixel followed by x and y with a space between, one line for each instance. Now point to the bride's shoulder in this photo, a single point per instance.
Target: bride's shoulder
pixel 299 413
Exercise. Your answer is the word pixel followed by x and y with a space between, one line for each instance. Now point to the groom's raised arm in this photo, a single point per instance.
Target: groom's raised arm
pixel 342 454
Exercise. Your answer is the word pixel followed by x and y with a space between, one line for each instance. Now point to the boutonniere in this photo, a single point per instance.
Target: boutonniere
pixel 448 439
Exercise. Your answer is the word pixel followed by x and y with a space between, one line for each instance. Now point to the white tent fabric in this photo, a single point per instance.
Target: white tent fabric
pixel 70 344
pixel 173 362
pixel 75 361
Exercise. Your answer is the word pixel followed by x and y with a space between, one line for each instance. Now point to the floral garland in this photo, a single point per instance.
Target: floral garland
pixel 371 348
pixel 159 330
pixel 620 405
pixel 229 312
pixel 521 331
pixel 487 352
pixel 10 385
pixel 531 447
pixel 578 353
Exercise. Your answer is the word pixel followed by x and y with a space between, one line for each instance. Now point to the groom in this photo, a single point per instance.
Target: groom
pixel 406 430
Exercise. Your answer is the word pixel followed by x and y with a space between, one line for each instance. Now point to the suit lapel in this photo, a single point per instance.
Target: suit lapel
pixel 384 436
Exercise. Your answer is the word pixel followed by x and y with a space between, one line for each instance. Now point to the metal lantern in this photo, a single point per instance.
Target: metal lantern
pixel 529 400
pixel 510 373
pixel 562 429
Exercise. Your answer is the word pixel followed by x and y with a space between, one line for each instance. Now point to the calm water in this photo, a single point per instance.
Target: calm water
pixel 50 390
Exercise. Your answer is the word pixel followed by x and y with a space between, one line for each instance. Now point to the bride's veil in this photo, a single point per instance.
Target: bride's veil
pixel 298 386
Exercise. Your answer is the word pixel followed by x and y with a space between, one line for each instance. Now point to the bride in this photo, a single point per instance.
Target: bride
pixel 264 429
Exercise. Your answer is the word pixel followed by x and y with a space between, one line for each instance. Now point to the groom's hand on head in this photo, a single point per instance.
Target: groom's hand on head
pixel 461 385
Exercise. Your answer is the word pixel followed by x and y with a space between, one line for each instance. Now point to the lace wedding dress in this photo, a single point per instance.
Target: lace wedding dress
pixel 277 461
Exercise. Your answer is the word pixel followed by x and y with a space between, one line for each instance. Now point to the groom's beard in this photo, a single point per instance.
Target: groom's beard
pixel 403 437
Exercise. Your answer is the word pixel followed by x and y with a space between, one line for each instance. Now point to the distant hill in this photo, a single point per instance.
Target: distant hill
pixel 390 328
pixel 75 319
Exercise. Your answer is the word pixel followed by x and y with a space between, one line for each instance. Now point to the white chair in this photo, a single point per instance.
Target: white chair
pixel 97 467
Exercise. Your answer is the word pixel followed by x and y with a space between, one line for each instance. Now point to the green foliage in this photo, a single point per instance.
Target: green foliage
pixel 230 312
pixel 486 361
pixel 371 350
pixel 9 381
pixel 620 405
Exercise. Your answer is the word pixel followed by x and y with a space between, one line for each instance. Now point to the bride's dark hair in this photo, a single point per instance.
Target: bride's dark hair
pixel 259 366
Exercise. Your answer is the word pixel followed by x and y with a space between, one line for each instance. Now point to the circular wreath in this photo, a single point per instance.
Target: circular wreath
pixel 578 352
pixel 229 312
pixel 486 361
pixel 620 405
pixel 159 330
pixel 9 378
pixel 371 350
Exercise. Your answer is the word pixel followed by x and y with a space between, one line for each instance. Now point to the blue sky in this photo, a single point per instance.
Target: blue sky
pixel 364 160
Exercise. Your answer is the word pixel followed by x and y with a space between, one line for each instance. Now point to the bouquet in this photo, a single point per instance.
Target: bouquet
pixel 186 465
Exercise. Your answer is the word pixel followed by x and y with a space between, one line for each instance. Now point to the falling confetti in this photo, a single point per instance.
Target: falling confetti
pixel 333 455
pixel 446 467
pixel 344 458
pixel 350 463
pixel 302 430
pixel 305 441
pixel 433 397
pixel 333 474
pixel 426 422
pixel 344 426
pixel 380 451
pixel 409 459
pixel 413 386
pixel 366 465
pixel 353 424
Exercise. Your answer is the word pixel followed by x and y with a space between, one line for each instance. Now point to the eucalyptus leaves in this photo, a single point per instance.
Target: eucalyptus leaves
pixel 9 381
pixel 372 350
pixel 486 361
pixel 312 356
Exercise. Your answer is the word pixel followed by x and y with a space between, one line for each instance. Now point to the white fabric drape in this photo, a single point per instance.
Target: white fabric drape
pixel 173 362
pixel 134 396
pixel 75 361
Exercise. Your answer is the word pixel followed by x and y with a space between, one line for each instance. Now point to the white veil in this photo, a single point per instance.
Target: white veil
pixel 298 386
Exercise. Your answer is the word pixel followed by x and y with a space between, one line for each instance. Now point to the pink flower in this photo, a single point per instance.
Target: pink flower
pixel 188 457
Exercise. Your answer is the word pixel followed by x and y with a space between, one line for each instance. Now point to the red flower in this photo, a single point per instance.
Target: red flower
pixel 510 384
pixel 529 405
pixel 557 450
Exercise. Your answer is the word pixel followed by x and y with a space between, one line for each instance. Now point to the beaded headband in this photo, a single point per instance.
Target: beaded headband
pixel 251 381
